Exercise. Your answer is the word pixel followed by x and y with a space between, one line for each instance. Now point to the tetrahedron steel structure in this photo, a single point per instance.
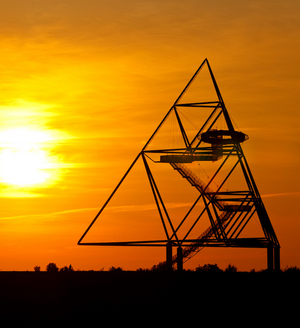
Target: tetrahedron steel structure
pixel 228 198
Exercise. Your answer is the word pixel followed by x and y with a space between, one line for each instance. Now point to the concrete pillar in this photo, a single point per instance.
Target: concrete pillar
pixel 169 256
pixel 179 259
pixel 270 258
pixel 277 258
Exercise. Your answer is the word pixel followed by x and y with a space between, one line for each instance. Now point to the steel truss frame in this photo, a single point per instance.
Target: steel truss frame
pixel 227 221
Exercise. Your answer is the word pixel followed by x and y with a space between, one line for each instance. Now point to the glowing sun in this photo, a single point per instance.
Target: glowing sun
pixel 25 157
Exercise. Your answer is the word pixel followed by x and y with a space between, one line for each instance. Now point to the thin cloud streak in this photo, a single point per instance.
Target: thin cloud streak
pixel 129 208
pixel 126 208
pixel 49 214
pixel 282 194
pixel 146 207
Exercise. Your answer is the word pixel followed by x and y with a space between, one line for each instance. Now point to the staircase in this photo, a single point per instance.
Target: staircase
pixel 196 247
pixel 189 251
pixel 195 181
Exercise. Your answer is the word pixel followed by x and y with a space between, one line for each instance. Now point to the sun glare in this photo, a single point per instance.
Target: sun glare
pixel 25 157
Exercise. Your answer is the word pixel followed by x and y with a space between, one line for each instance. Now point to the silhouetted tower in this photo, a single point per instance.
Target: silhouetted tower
pixel 216 144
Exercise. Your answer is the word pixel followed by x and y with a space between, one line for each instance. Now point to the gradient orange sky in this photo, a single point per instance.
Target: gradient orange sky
pixel 89 81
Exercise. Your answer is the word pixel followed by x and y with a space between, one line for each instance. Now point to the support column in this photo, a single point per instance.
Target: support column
pixel 169 256
pixel 277 258
pixel 270 258
pixel 179 259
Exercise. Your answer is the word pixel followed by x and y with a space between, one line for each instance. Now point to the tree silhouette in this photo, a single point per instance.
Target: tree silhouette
pixel 52 267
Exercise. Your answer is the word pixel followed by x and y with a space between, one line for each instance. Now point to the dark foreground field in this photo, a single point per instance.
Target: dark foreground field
pixel 148 298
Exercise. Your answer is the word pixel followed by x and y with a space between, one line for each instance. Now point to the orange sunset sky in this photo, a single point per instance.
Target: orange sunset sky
pixel 85 83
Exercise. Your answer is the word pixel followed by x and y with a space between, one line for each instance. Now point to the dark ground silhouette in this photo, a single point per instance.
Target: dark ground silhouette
pixel 42 298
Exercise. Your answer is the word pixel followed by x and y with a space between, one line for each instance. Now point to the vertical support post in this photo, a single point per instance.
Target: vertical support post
pixel 270 257
pixel 179 259
pixel 277 258
pixel 169 256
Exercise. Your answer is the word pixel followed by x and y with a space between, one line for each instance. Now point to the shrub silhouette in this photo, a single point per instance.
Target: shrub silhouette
pixel 142 270
pixel 231 268
pixel 115 269
pixel 211 268
pixel 159 267
pixel 292 269
pixel 67 269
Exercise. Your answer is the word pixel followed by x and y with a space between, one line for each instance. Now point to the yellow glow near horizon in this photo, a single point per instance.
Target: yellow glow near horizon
pixel 25 157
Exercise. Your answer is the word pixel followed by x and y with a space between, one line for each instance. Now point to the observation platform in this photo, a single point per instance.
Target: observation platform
pixel 189 158
pixel 223 137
